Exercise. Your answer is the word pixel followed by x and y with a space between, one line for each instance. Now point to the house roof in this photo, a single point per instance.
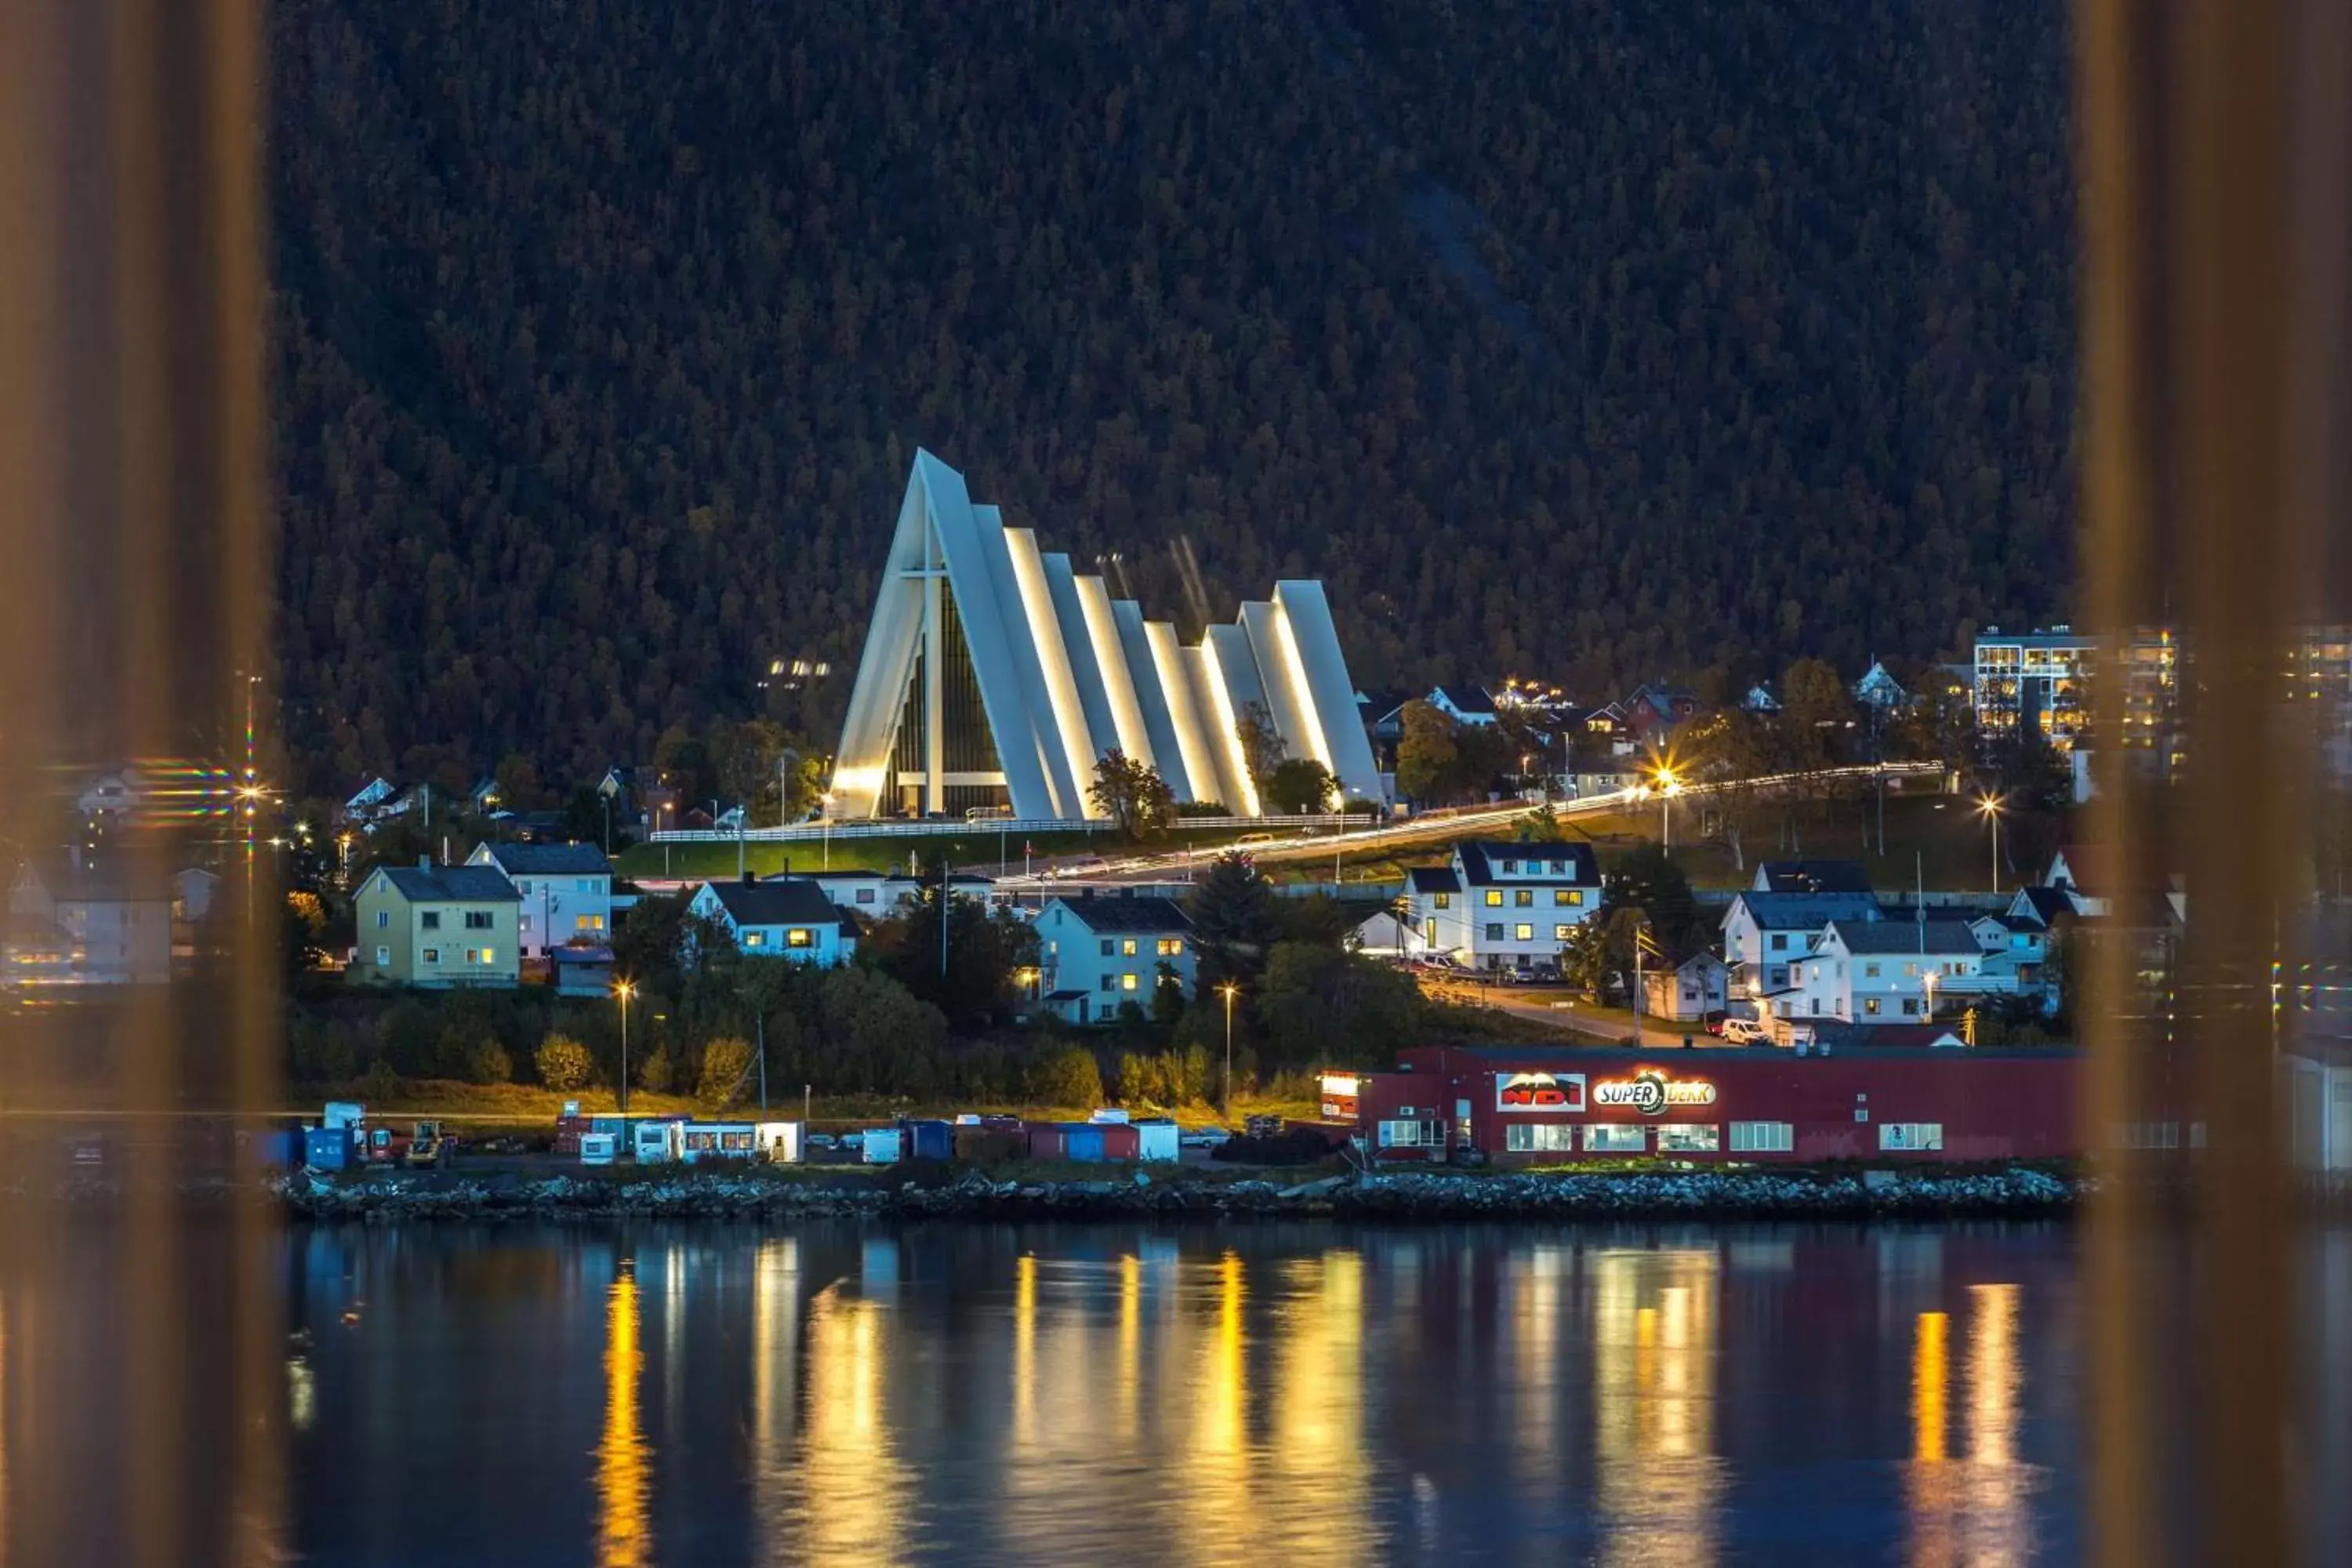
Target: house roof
pixel 1465 698
pixel 1128 913
pixel 1813 877
pixel 1806 911
pixel 2046 903
pixel 451 884
pixel 791 901
pixel 549 860
pixel 1434 879
pixel 1907 936
pixel 1478 859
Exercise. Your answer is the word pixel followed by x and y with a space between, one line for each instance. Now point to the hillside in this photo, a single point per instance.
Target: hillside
pixel 1601 340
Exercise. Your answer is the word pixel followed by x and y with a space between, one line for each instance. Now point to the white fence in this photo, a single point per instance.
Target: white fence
pixel 933 827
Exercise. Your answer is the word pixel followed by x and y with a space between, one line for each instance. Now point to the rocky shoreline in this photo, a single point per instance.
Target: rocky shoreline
pixel 404 1197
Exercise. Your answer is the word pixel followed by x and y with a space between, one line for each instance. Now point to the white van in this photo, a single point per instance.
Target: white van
pixel 1744 1032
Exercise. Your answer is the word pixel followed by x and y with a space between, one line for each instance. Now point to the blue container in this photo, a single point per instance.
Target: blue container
pixel 929 1139
pixel 1082 1143
pixel 326 1148
pixel 279 1147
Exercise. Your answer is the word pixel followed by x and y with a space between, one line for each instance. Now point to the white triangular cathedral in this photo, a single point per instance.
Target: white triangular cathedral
pixel 994 675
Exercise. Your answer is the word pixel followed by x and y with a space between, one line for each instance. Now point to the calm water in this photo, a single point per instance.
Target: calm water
pixel 829 1395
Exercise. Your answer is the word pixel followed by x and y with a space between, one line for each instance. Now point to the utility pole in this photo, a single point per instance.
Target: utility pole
pixel 759 1025
pixel 944 872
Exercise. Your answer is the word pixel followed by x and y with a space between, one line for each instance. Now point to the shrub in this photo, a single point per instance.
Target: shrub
pixel 656 1071
pixel 725 1062
pixel 1065 1075
pixel 562 1062
pixel 382 1082
pixel 488 1062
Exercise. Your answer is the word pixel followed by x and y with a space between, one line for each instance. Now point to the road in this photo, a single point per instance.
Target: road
pixel 1561 1008
pixel 1426 829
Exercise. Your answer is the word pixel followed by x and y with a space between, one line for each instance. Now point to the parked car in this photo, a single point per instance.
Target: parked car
pixel 853 1140
pixel 1713 1022
pixel 1744 1032
pixel 822 1141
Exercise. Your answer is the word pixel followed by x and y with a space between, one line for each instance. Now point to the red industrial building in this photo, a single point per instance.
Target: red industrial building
pixel 1517 1105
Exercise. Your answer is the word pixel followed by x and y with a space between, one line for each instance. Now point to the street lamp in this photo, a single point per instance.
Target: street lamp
pixel 1669 786
pixel 1988 808
pixel 1931 997
pixel 624 989
pixel 1227 990
pixel 825 800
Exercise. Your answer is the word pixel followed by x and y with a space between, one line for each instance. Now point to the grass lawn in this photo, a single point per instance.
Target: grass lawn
pixel 968 846
pixel 509 1107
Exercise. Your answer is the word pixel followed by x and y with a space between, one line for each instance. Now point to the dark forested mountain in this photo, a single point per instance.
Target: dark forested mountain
pixel 1588 339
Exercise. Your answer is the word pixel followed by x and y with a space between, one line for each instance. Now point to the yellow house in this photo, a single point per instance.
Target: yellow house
pixel 438 926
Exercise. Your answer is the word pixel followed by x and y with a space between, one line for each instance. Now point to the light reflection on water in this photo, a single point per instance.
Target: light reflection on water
pixel 669 1395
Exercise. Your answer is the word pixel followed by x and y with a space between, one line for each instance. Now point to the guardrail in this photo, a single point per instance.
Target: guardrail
pixel 892 827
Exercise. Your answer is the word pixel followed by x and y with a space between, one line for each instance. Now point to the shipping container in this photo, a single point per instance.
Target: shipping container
pixel 618 1126
pixel 1157 1141
pixel 657 1142
pixel 991 1145
pixel 326 1148
pixel 344 1113
pixel 598 1148
pixel 719 1141
pixel 780 1141
pixel 881 1146
pixel 1120 1142
pixel 929 1139
pixel 1047 1141
pixel 1082 1143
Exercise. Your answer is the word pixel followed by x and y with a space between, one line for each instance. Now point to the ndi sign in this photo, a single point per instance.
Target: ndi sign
pixel 1522 1092
pixel 1652 1093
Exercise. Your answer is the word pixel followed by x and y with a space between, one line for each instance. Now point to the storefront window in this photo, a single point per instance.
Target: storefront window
pixel 1911 1135
pixel 1412 1134
pixel 1616 1140
pixel 1762 1138
pixel 1689 1137
pixel 1541 1137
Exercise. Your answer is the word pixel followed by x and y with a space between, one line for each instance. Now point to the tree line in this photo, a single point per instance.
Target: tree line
pixel 1627 340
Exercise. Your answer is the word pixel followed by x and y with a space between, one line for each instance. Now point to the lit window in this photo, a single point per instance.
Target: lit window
pixel 1926 1136
pixel 1525 898
pixel 1494 898
pixel 1576 896
pixel 800 936
pixel 1538 1137
pixel 1561 932
pixel 432 955
pixel 1410 1134
pixel 489 955
pixel 589 922
pixel 1127 948
pixel 383 955
pixel 1523 932
pixel 1444 901
pixel 473 955
pixel 1126 981
pixel 1604 1140
pixel 522 923
pixel 1689 1139
pixel 1870 1005
pixel 755 939
pixel 1560 896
